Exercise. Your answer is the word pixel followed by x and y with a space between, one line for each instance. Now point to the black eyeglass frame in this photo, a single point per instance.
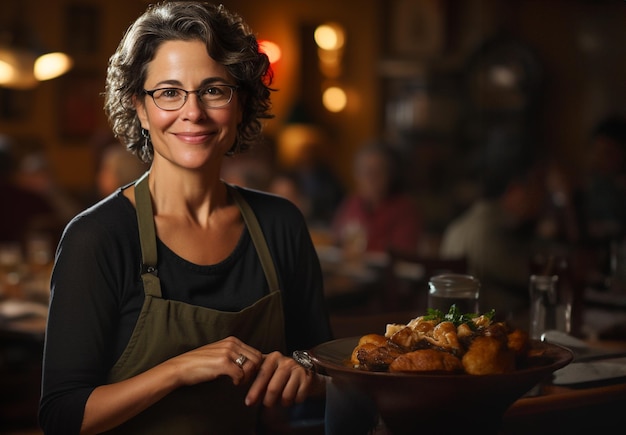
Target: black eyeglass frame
pixel 233 89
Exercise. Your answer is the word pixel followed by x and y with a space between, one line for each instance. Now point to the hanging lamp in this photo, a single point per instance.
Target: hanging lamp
pixel 23 61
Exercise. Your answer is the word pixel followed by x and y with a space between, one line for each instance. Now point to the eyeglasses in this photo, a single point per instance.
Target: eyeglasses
pixel 211 97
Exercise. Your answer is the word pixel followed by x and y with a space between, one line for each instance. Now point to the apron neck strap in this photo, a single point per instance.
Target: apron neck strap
pixel 145 219
pixel 147 237
pixel 257 238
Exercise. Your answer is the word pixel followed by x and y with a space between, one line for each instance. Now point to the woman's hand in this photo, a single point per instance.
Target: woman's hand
pixel 281 379
pixel 230 357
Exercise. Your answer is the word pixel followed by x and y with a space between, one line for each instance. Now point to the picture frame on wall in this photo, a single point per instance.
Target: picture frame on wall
pixel 80 104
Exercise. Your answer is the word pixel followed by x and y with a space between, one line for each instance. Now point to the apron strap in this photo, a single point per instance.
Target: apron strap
pixel 147 237
pixel 257 238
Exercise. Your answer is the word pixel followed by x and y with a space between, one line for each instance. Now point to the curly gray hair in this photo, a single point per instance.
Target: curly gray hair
pixel 229 42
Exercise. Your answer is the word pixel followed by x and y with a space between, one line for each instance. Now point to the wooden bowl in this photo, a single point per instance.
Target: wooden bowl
pixel 411 403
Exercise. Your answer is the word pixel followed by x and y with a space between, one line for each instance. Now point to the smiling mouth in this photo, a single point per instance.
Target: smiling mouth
pixel 194 137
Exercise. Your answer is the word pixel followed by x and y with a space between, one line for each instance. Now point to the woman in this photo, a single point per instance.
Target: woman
pixel 379 215
pixel 174 301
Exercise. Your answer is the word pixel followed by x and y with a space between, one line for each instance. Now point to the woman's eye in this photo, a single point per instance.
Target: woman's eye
pixel 170 93
pixel 213 91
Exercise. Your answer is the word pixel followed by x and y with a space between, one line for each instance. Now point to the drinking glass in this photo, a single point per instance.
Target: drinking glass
pixel 550 306
pixel 454 288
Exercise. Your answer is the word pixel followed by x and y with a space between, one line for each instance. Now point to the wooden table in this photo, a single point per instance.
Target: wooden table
pixel 593 407
pixel 561 410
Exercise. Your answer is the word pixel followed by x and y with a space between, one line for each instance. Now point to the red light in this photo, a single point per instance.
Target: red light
pixel 271 49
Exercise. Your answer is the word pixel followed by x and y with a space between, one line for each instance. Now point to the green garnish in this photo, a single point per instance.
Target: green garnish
pixel 455 316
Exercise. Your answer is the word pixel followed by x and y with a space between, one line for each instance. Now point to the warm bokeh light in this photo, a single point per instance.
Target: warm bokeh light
pixel 17 69
pixel 295 142
pixel 21 69
pixel 330 63
pixel 502 76
pixel 51 65
pixel 271 49
pixel 6 72
pixel 330 36
pixel 334 99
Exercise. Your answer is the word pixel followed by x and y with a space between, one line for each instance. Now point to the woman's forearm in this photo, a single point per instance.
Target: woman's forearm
pixel 110 405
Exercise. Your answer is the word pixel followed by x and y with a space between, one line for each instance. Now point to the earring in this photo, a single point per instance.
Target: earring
pixel 145 152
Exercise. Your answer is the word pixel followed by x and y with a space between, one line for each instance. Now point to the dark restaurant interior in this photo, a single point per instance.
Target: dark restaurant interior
pixel 453 88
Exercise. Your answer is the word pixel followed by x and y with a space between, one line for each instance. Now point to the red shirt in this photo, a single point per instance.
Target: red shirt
pixel 395 223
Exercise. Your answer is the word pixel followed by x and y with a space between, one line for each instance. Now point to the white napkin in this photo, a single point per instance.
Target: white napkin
pixel 592 371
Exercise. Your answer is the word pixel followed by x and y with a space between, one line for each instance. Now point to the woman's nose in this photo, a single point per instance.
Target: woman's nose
pixel 193 107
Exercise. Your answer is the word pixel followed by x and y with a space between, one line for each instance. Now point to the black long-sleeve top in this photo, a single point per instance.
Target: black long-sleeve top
pixel 97 294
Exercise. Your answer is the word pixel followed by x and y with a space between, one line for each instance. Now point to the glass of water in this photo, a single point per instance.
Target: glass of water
pixel 454 288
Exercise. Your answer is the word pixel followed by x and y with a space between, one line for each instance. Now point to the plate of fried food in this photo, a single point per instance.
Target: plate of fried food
pixel 440 369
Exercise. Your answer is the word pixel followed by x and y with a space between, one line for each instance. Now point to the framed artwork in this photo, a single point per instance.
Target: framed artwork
pixel 80 104
pixel 416 29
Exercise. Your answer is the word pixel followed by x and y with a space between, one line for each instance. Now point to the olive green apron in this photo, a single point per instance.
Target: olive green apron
pixel 166 328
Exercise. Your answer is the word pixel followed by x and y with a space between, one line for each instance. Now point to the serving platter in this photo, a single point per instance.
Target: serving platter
pixel 412 403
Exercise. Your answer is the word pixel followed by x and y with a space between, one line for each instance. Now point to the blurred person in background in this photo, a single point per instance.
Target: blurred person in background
pixel 252 170
pixel 561 224
pixel 497 233
pixel 24 210
pixel 585 214
pixel 117 168
pixel 319 183
pixel 604 188
pixel 303 147
pixel 35 174
pixel 285 184
pixel 378 215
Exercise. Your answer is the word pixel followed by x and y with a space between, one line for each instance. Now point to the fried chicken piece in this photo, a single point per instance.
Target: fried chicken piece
pixel 405 338
pixel 377 339
pixel 368 341
pixel 377 358
pixel 488 355
pixel 426 360
pixel 464 331
pixel 519 342
pixel 498 330
pixel 411 335
pixel 354 358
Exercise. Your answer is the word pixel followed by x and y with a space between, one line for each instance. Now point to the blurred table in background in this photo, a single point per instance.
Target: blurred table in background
pixel 22 329
pixel 351 283
pixel 604 313
pixel 24 294
pixel 587 396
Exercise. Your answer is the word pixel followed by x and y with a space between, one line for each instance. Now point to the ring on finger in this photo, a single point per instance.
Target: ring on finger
pixel 241 360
